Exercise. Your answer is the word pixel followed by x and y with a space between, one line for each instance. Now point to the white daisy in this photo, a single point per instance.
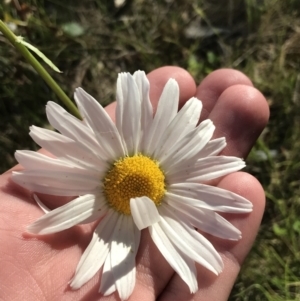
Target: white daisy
pixel 142 172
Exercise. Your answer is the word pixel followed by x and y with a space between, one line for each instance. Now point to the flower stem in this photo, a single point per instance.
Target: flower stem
pixel 40 69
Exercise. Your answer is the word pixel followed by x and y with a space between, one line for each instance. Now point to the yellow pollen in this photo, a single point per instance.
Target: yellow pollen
pixel 132 177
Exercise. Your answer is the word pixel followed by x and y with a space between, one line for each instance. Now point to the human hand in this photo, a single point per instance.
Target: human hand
pixel 40 269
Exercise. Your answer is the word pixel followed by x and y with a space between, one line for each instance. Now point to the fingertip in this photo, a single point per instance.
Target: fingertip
pixel 159 77
pixel 247 99
pixel 216 83
pixel 240 115
pixel 247 186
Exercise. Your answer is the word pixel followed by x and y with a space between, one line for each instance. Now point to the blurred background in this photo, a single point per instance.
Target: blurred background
pixel 93 40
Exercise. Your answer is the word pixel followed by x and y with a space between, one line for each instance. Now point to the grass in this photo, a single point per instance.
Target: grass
pixel 93 41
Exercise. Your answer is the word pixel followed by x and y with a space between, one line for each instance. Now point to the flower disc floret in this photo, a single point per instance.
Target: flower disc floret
pixel 132 177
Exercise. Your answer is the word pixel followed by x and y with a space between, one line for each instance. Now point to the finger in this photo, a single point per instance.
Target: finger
pixel 240 114
pixel 218 288
pixel 215 84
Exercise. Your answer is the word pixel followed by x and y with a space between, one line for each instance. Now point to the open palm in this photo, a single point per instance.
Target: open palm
pixel 40 268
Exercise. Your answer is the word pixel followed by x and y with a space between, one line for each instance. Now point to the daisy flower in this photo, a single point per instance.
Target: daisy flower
pixel 146 171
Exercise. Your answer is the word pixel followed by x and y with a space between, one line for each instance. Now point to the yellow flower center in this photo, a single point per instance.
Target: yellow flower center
pixel 132 177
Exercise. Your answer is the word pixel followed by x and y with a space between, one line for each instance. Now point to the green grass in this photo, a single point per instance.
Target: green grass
pixel 92 42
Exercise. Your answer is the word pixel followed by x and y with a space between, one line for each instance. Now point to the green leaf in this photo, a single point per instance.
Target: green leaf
pixel 37 52
pixel 279 231
pixel 296 226
pixel 73 29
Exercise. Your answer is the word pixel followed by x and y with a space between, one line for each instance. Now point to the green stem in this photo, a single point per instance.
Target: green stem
pixel 40 69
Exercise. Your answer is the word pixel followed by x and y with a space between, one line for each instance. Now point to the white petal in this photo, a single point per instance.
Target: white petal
pixel 58 183
pixel 209 197
pixel 187 149
pixel 128 112
pixel 66 148
pixel 215 167
pixel 184 267
pixel 107 285
pixel 206 169
pixel 97 251
pixel 97 118
pixel 206 220
pixel 31 160
pixel 121 94
pixel 72 128
pixel 200 250
pixel 40 204
pixel 137 238
pixel 146 106
pixel 144 212
pixel 122 256
pixel 69 215
pixel 213 148
pixel 166 110
pixel 192 270
pixel 185 121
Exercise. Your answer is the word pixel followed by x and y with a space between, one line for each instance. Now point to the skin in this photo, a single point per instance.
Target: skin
pixel 40 268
